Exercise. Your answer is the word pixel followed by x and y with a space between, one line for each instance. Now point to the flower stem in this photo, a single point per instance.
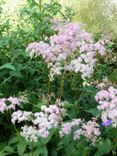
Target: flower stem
pixel 40 4
pixel 48 85
pixel 32 148
pixel 61 86
pixel 115 142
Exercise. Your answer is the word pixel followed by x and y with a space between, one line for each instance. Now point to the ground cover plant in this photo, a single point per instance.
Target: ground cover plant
pixel 58 85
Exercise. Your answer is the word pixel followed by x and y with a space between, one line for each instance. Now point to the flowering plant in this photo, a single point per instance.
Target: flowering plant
pixel 57 98
pixel 72 49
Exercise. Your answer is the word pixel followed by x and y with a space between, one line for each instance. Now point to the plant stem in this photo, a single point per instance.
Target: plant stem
pixel 32 148
pixel 61 86
pixel 40 1
pixel 115 142
pixel 77 145
pixel 48 85
pixel 1 152
pixel 6 80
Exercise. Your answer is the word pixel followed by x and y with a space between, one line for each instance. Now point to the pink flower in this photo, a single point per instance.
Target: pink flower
pixel 3 106
pixel 65 130
pixel 41 122
pixel 13 102
pixel 107 100
pixel 71 43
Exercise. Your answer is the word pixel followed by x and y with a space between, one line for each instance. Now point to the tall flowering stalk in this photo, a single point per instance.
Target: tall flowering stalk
pixel 71 49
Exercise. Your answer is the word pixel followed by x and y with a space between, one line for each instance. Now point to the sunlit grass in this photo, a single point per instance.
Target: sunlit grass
pixel 99 15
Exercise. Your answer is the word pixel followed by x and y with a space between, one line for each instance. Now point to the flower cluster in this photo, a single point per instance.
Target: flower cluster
pixel 20 116
pixel 89 130
pixel 41 122
pixel 107 100
pixel 9 103
pixel 72 49
pixel 30 133
pixel 67 127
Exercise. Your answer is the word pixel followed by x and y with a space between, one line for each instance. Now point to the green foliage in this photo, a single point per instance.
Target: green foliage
pixel 21 74
pixel 103 148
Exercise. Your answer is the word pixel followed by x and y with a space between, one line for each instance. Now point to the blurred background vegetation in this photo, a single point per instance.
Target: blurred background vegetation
pixel 100 16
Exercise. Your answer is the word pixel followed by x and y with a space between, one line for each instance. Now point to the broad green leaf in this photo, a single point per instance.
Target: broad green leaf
pixel 104 148
pixel 16 74
pixel 8 66
pixel 21 146
pixel 45 141
pixel 93 111
pixel 18 53
pixel 7 150
pixel 13 140
pixel 39 150
pixel 44 151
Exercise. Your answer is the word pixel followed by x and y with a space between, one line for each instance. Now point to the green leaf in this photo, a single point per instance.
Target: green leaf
pixel 16 74
pixel 93 111
pixel 104 148
pixel 2 145
pixel 18 53
pixel 8 66
pixel 38 150
pixel 7 150
pixel 44 151
pixel 21 146
pixel 45 141
pixel 1 94
pixel 64 142
pixel 13 140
